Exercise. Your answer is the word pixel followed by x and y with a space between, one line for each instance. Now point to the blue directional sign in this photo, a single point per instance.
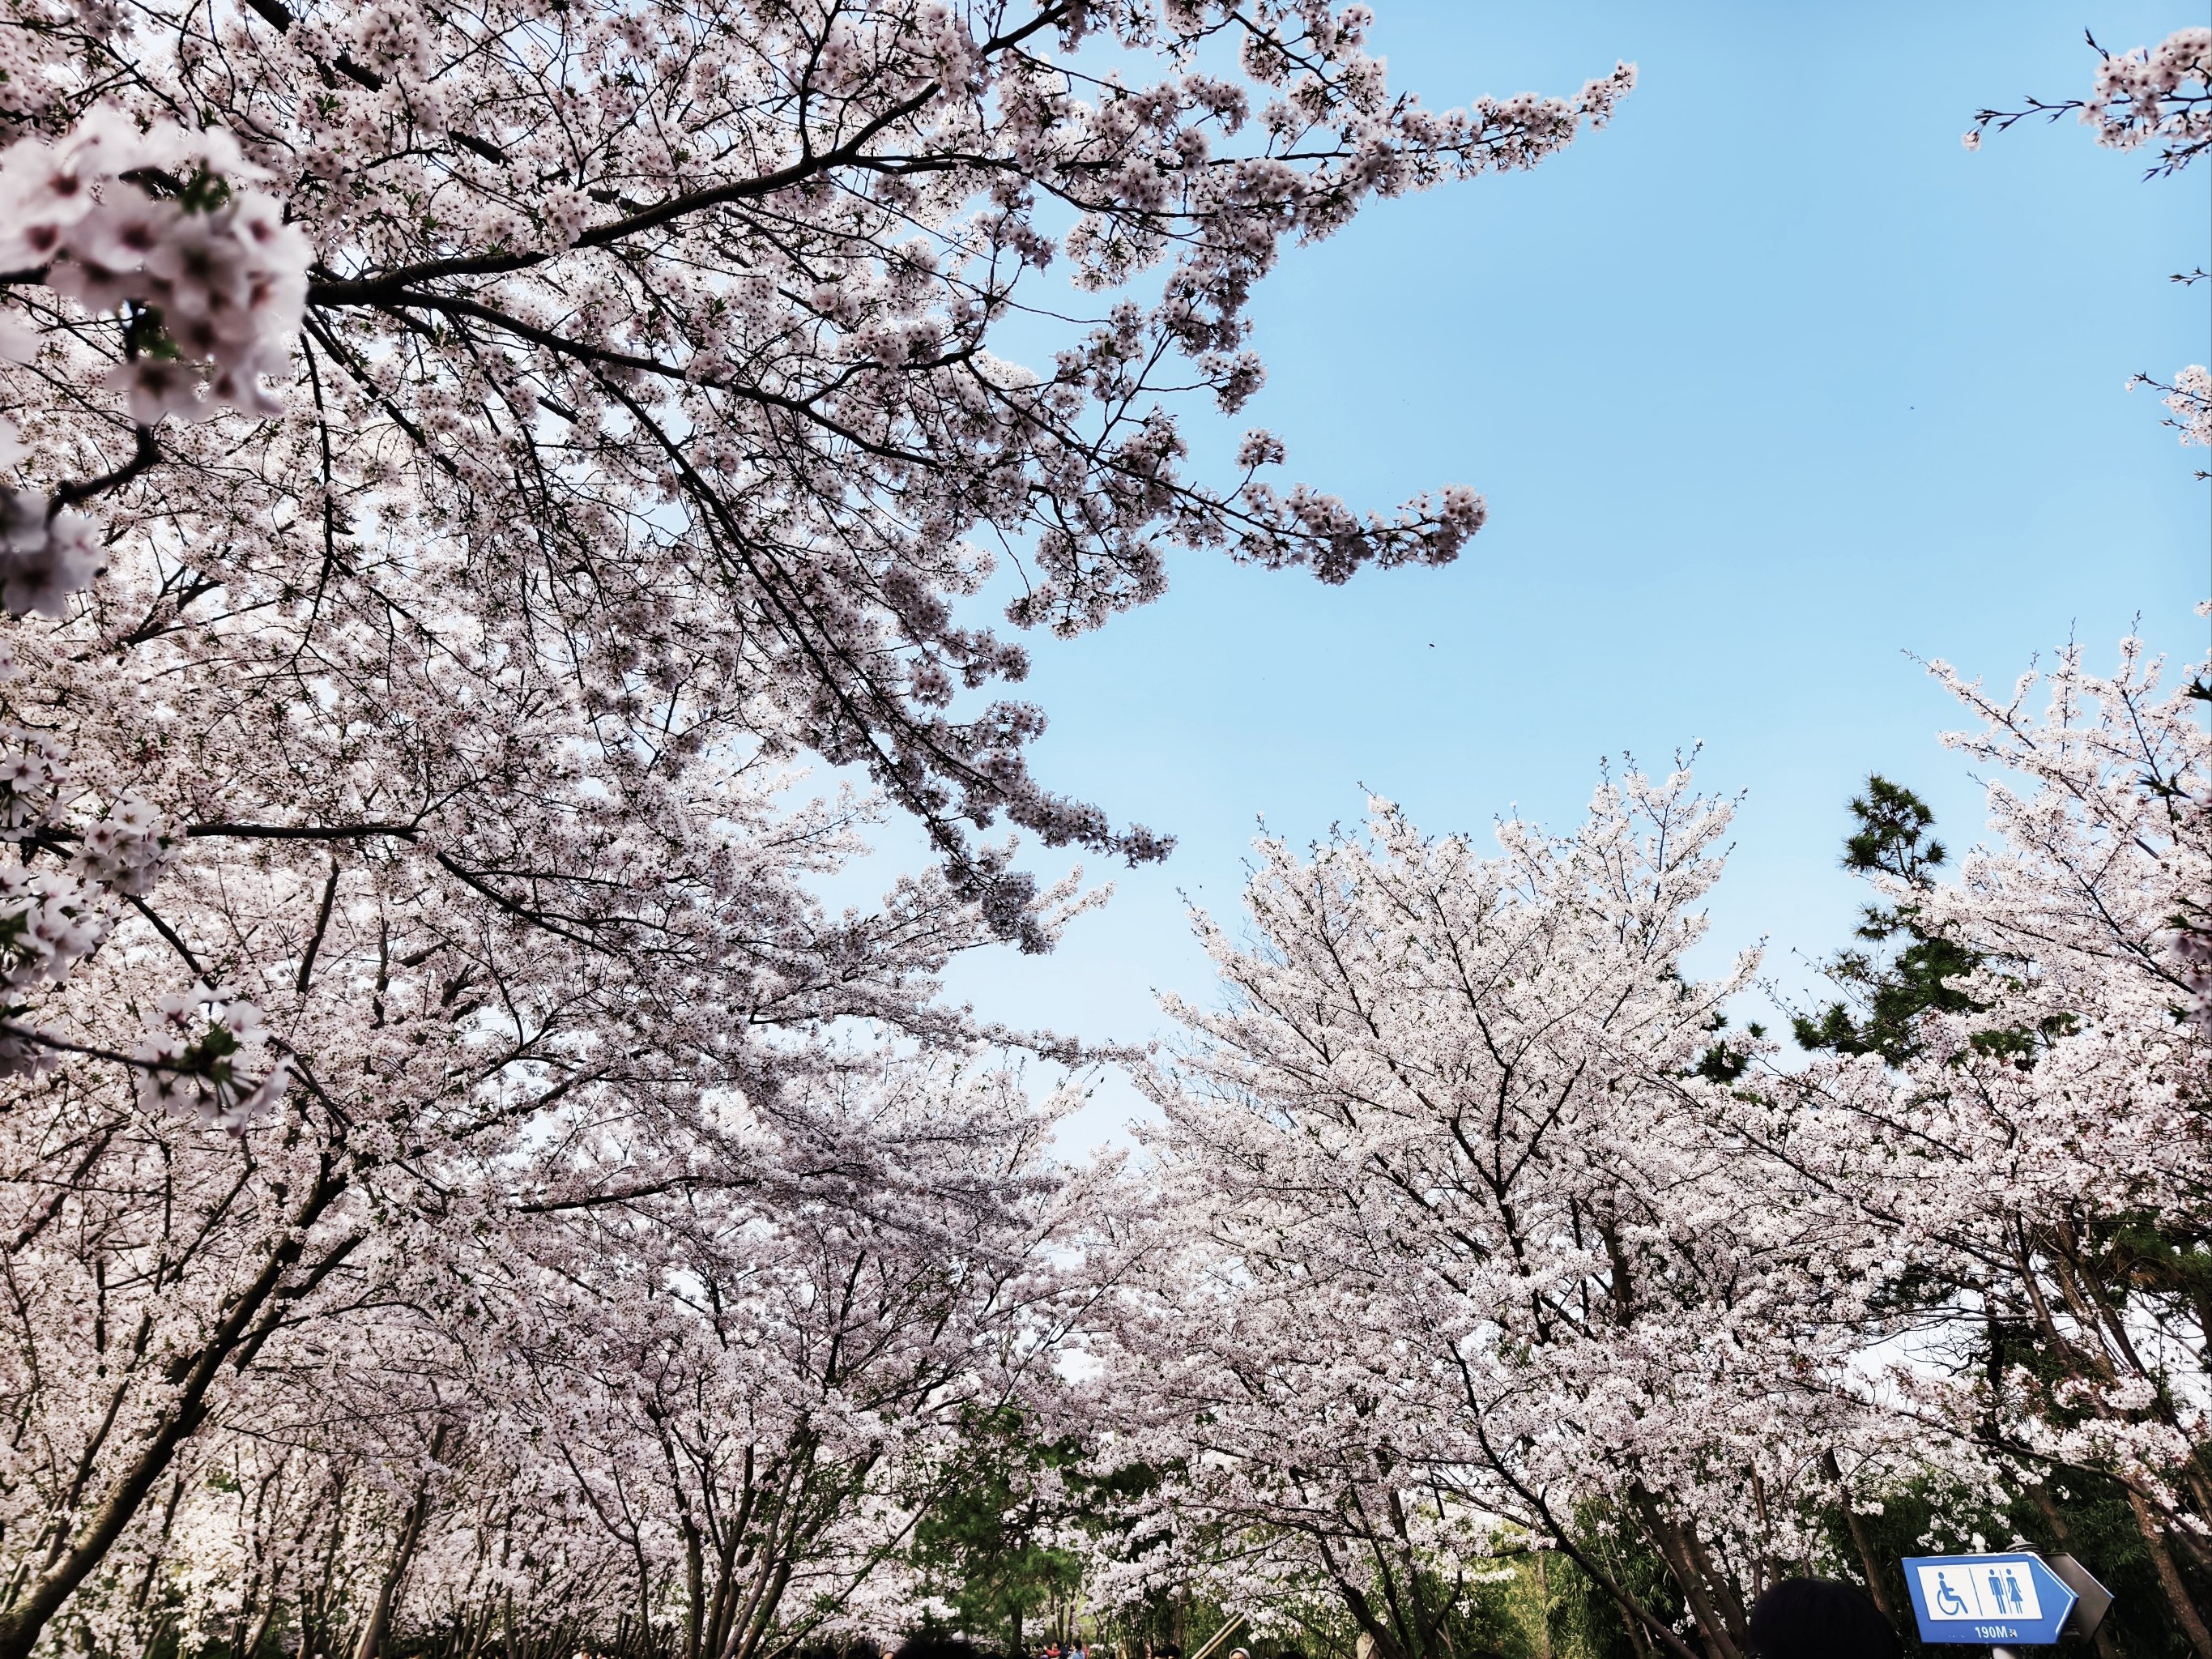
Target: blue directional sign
pixel 2012 1599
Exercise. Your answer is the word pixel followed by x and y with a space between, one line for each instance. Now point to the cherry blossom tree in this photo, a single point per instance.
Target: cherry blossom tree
pixel 687 1389
pixel 781 1389
pixel 1479 1236
pixel 509 442
pixel 1458 1259
pixel 1476 1241
pixel 2040 1155
pixel 716 405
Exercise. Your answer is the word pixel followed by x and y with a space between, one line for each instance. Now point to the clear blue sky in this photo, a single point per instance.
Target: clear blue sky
pixel 1768 384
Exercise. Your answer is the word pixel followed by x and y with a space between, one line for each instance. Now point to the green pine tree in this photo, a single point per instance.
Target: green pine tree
pixel 1888 988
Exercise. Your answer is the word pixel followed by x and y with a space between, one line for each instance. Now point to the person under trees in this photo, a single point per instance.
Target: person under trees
pixel 1819 1619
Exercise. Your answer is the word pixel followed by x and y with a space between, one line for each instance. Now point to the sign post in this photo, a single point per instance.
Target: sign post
pixel 2011 1600
pixel 2092 1601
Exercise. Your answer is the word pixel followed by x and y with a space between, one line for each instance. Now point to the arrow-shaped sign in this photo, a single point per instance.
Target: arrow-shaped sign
pixel 1984 1599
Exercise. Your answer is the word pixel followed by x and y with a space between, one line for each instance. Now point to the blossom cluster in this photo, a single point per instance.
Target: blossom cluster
pixel 2188 401
pixel 128 848
pixel 46 552
pixel 205 1055
pixel 2160 93
pixel 2157 93
pixel 49 919
pixel 160 223
pixel 124 848
pixel 34 775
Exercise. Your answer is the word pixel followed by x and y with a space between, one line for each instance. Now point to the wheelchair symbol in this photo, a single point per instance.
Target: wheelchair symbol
pixel 1948 1599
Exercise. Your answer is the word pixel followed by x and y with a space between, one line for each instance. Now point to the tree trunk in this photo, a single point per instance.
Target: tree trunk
pixel 723 1609
pixel 1718 1585
pixel 2169 1577
pixel 1682 1561
pixel 2107 1649
pixel 191 1374
pixel 694 1590
pixel 259 1633
pixel 1869 1562
pixel 403 1552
